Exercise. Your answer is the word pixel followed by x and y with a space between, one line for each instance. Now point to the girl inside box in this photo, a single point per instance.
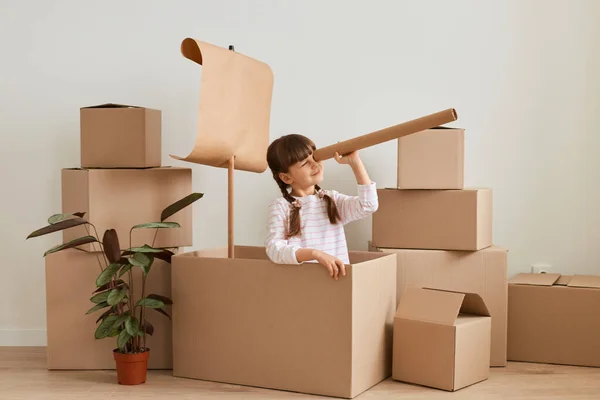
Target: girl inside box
pixel 307 223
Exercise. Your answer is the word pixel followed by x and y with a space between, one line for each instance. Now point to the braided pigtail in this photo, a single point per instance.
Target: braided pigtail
pixel 332 210
pixel 293 228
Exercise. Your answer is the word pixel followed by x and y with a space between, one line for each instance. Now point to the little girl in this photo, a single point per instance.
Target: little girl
pixel 307 223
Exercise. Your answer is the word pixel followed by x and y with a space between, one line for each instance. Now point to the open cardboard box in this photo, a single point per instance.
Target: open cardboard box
pixel 554 319
pixel 249 321
pixel 441 339
pixel 483 272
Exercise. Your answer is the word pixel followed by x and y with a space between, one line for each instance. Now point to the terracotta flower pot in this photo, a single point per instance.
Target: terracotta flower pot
pixel 131 368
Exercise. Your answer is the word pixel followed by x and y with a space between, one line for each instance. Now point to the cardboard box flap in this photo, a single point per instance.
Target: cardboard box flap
pixel 585 281
pixel 111 105
pixel 430 305
pixel 535 279
pixel 473 304
pixel 564 280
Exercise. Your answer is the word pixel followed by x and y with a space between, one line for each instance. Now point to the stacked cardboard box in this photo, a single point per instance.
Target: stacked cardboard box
pixel 441 233
pixel 119 184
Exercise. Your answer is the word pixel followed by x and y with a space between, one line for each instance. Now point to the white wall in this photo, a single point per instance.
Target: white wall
pixel 523 76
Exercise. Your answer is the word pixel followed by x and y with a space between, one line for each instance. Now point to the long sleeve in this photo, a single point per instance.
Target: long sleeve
pixel 352 208
pixel 277 247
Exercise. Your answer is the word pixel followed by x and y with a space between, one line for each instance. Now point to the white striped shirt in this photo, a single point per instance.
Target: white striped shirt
pixel 316 230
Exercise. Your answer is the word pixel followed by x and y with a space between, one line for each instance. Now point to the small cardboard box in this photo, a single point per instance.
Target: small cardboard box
pixel 554 319
pixel 483 272
pixel 70 282
pixel 249 321
pixel 120 136
pixel 441 339
pixel 432 159
pixel 122 198
pixel 433 219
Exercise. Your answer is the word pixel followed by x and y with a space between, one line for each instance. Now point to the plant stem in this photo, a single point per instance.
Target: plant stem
pixel 100 244
pixel 155 234
pixel 93 247
pixel 142 310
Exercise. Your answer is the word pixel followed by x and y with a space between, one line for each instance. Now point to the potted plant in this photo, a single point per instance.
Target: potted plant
pixel 123 316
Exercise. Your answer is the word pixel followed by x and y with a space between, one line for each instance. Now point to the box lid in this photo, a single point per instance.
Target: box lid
pixel 582 281
pixel 439 306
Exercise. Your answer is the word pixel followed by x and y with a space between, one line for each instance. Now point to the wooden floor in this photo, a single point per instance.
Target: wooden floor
pixel 23 375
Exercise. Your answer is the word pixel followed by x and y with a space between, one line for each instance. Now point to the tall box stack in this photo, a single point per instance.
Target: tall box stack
pixel 440 230
pixel 119 184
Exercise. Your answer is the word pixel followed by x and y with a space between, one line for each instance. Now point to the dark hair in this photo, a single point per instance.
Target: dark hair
pixel 281 155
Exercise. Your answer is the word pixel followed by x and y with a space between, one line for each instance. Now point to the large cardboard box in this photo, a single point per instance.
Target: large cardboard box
pixel 432 159
pixel 554 319
pixel 249 321
pixel 120 136
pixel 70 282
pixel 483 272
pixel 441 339
pixel 433 219
pixel 122 198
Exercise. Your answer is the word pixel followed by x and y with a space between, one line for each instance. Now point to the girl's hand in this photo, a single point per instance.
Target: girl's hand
pixel 350 159
pixel 333 264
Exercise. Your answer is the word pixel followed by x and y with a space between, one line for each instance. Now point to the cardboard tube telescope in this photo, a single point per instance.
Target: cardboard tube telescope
pixel 386 134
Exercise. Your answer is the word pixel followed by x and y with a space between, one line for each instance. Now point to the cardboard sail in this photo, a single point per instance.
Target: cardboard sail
pixel 235 108
pixel 384 135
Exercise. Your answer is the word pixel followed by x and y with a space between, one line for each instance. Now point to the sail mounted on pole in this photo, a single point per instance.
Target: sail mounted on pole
pixel 235 108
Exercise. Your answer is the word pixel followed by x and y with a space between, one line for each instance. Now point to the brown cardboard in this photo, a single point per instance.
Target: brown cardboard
pixel 70 280
pixel 432 159
pixel 554 319
pixel 122 198
pixel 249 321
pixel 120 136
pixel 386 134
pixel 441 339
pixel 433 219
pixel 234 112
pixel 483 272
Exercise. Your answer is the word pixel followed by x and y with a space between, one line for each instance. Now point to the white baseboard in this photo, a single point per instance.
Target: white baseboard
pixel 23 337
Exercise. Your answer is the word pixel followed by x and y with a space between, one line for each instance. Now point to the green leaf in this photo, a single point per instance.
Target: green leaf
pixel 108 273
pixel 139 260
pixel 120 320
pixel 72 243
pixel 179 205
pixel 157 225
pixel 117 284
pixel 125 269
pixel 100 297
pixel 124 337
pixel 163 312
pixel 61 217
pixel 97 307
pixel 133 326
pixel 150 303
pixel 59 226
pixel 116 296
pixel 105 313
pixel 106 327
pixel 164 299
pixel 110 242
pixel 144 249
pixel 143 261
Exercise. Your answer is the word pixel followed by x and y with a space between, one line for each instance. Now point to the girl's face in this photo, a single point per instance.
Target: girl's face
pixel 304 174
